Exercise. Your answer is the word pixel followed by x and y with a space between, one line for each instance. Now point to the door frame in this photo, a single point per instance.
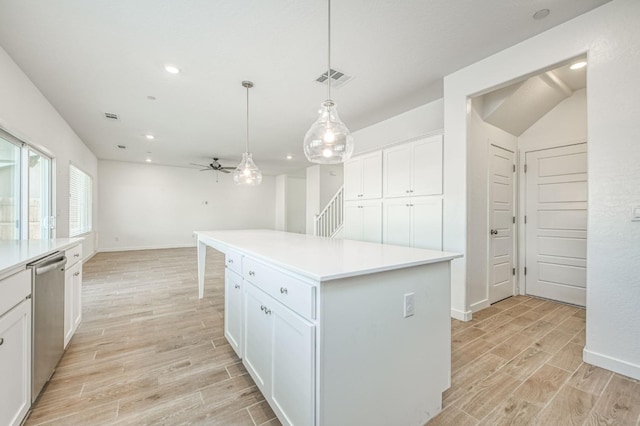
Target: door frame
pixel 514 231
pixel 522 203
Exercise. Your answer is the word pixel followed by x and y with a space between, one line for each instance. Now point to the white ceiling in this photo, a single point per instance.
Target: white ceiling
pixel 92 57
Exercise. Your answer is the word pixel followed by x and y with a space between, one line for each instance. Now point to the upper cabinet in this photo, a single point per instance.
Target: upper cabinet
pixel 413 169
pixel 363 177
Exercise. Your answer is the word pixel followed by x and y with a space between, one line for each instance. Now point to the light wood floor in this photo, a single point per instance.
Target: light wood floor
pixel 149 351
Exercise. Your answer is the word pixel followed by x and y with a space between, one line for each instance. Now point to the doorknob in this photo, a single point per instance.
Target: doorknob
pixel 494 232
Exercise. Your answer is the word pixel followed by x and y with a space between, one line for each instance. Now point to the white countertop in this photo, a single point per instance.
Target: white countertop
pixel 319 258
pixel 15 254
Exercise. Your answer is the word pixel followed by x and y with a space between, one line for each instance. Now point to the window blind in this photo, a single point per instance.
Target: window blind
pixel 80 186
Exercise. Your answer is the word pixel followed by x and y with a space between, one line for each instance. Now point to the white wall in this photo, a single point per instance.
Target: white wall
pixel 481 136
pixel 296 204
pixel 412 124
pixel 150 206
pixel 28 115
pixel 312 196
pixel 609 36
pixel 281 203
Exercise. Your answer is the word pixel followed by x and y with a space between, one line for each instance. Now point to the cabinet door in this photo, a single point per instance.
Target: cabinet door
pixel 257 337
pixel 397 171
pixel 427 222
pixel 353 179
pixel 371 176
pixel 427 166
pixel 233 310
pixel 68 304
pixel 76 296
pixel 15 364
pixel 352 225
pixel 397 222
pixel 371 218
pixel 293 380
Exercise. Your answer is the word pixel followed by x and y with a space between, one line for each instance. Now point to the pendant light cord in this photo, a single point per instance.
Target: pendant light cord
pixel 329 53
pixel 247 119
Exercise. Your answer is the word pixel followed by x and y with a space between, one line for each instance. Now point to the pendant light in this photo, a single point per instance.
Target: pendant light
pixel 247 173
pixel 328 141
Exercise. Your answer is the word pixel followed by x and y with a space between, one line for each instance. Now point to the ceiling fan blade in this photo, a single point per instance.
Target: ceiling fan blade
pixel 199 165
pixel 224 171
pixel 206 170
pixel 228 168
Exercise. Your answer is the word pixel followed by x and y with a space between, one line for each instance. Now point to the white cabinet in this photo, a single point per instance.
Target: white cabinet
pixel 280 356
pixel 363 177
pixel 233 310
pixel 363 220
pixel 15 349
pixel 413 169
pixel 413 222
pixel 72 292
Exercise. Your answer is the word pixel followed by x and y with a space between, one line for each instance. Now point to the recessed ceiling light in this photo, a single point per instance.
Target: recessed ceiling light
pixel 289 157
pixel 578 65
pixel 541 14
pixel 149 136
pixel 172 69
pixel 122 147
pixel 148 160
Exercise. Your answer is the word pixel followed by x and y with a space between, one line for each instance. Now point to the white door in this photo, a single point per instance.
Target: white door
pixel 294 361
pixel 501 224
pixel 257 337
pixel 353 179
pixel 397 171
pixel 397 222
pixel 426 218
pixel 371 221
pixel 556 228
pixel 371 176
pixel 352 225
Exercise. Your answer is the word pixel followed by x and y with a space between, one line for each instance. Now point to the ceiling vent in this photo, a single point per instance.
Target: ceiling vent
pixel 338 78
pixel 111 116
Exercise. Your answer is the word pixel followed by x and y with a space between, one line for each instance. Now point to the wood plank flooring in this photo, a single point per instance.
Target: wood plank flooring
pixel 149 351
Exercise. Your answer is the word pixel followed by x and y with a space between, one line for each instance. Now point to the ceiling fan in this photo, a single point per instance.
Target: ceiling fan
pixel 215 166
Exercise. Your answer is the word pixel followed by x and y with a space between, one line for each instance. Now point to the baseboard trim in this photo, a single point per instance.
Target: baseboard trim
pixel 617 365
pixel 480 305
pixel 158 247
pixel 461 315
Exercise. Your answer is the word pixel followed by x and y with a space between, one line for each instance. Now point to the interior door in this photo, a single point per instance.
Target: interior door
pixel 501 224
pixel 556 228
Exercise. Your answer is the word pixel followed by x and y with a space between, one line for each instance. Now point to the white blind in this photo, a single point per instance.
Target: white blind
pixel 80 185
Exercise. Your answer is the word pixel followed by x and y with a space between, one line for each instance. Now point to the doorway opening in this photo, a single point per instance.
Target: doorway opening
pixel 531 139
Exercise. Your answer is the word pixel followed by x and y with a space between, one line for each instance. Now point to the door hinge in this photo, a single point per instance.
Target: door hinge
pixel 514 219
pixel 514 168
pixel 513 271
pixel 525 219
pixel 525 168
pixel 525 270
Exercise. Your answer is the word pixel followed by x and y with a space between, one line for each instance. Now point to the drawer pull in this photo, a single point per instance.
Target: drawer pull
pixel 230 261
pixel 76 274
pixel 284 290
pixel 251 273
pixel 76 255
pixel 1 340
pixel 262 308
pixel 267 311
pixel 237 286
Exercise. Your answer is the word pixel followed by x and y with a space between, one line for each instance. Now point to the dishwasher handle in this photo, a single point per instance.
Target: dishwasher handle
pixel 51 265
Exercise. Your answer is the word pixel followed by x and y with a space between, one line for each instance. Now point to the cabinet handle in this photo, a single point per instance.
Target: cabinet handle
pixel 267 311
pixel 251 273
pixel 230 261
pixel 1 340
pixel 237 286
pixel 284 290
pixel 411 190
pixel 408 205
pixel 407 191
pixel 76 274
pixel 262 308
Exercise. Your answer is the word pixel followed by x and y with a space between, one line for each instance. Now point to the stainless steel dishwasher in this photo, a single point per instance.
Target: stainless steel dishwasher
pixel 48 318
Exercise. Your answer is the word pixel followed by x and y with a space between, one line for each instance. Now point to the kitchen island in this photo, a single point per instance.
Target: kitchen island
pixel 337 331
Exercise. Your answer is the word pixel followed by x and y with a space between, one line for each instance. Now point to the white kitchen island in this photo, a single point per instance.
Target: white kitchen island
pixel 337 332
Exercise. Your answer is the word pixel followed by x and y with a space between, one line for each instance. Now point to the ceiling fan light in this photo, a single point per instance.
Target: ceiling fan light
pixel 247 173
pixel 328 141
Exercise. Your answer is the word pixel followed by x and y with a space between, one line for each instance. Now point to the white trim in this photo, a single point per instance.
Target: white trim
pixel 154 247
pixel 475 307
pixel 436 132
pixel 610 363
pixel 459 315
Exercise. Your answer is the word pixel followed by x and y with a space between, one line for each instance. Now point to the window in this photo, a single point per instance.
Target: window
pixel 80 187
pixel 25 191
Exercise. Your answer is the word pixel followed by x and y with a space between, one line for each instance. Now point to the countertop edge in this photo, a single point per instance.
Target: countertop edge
pixel 21 265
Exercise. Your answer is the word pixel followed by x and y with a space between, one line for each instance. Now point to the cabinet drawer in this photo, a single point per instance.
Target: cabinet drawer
pixel 233 260
pixel 14 289
pixel 74 254
pixel 286 289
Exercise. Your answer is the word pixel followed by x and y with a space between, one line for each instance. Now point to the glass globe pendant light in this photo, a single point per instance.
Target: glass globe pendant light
pixel 328 141
pixel 247 173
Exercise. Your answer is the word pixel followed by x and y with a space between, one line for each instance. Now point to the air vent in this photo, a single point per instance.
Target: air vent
pixel 111 116
pixel 338 78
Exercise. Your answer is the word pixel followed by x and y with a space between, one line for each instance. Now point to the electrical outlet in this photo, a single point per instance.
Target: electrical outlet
pixel 409 306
